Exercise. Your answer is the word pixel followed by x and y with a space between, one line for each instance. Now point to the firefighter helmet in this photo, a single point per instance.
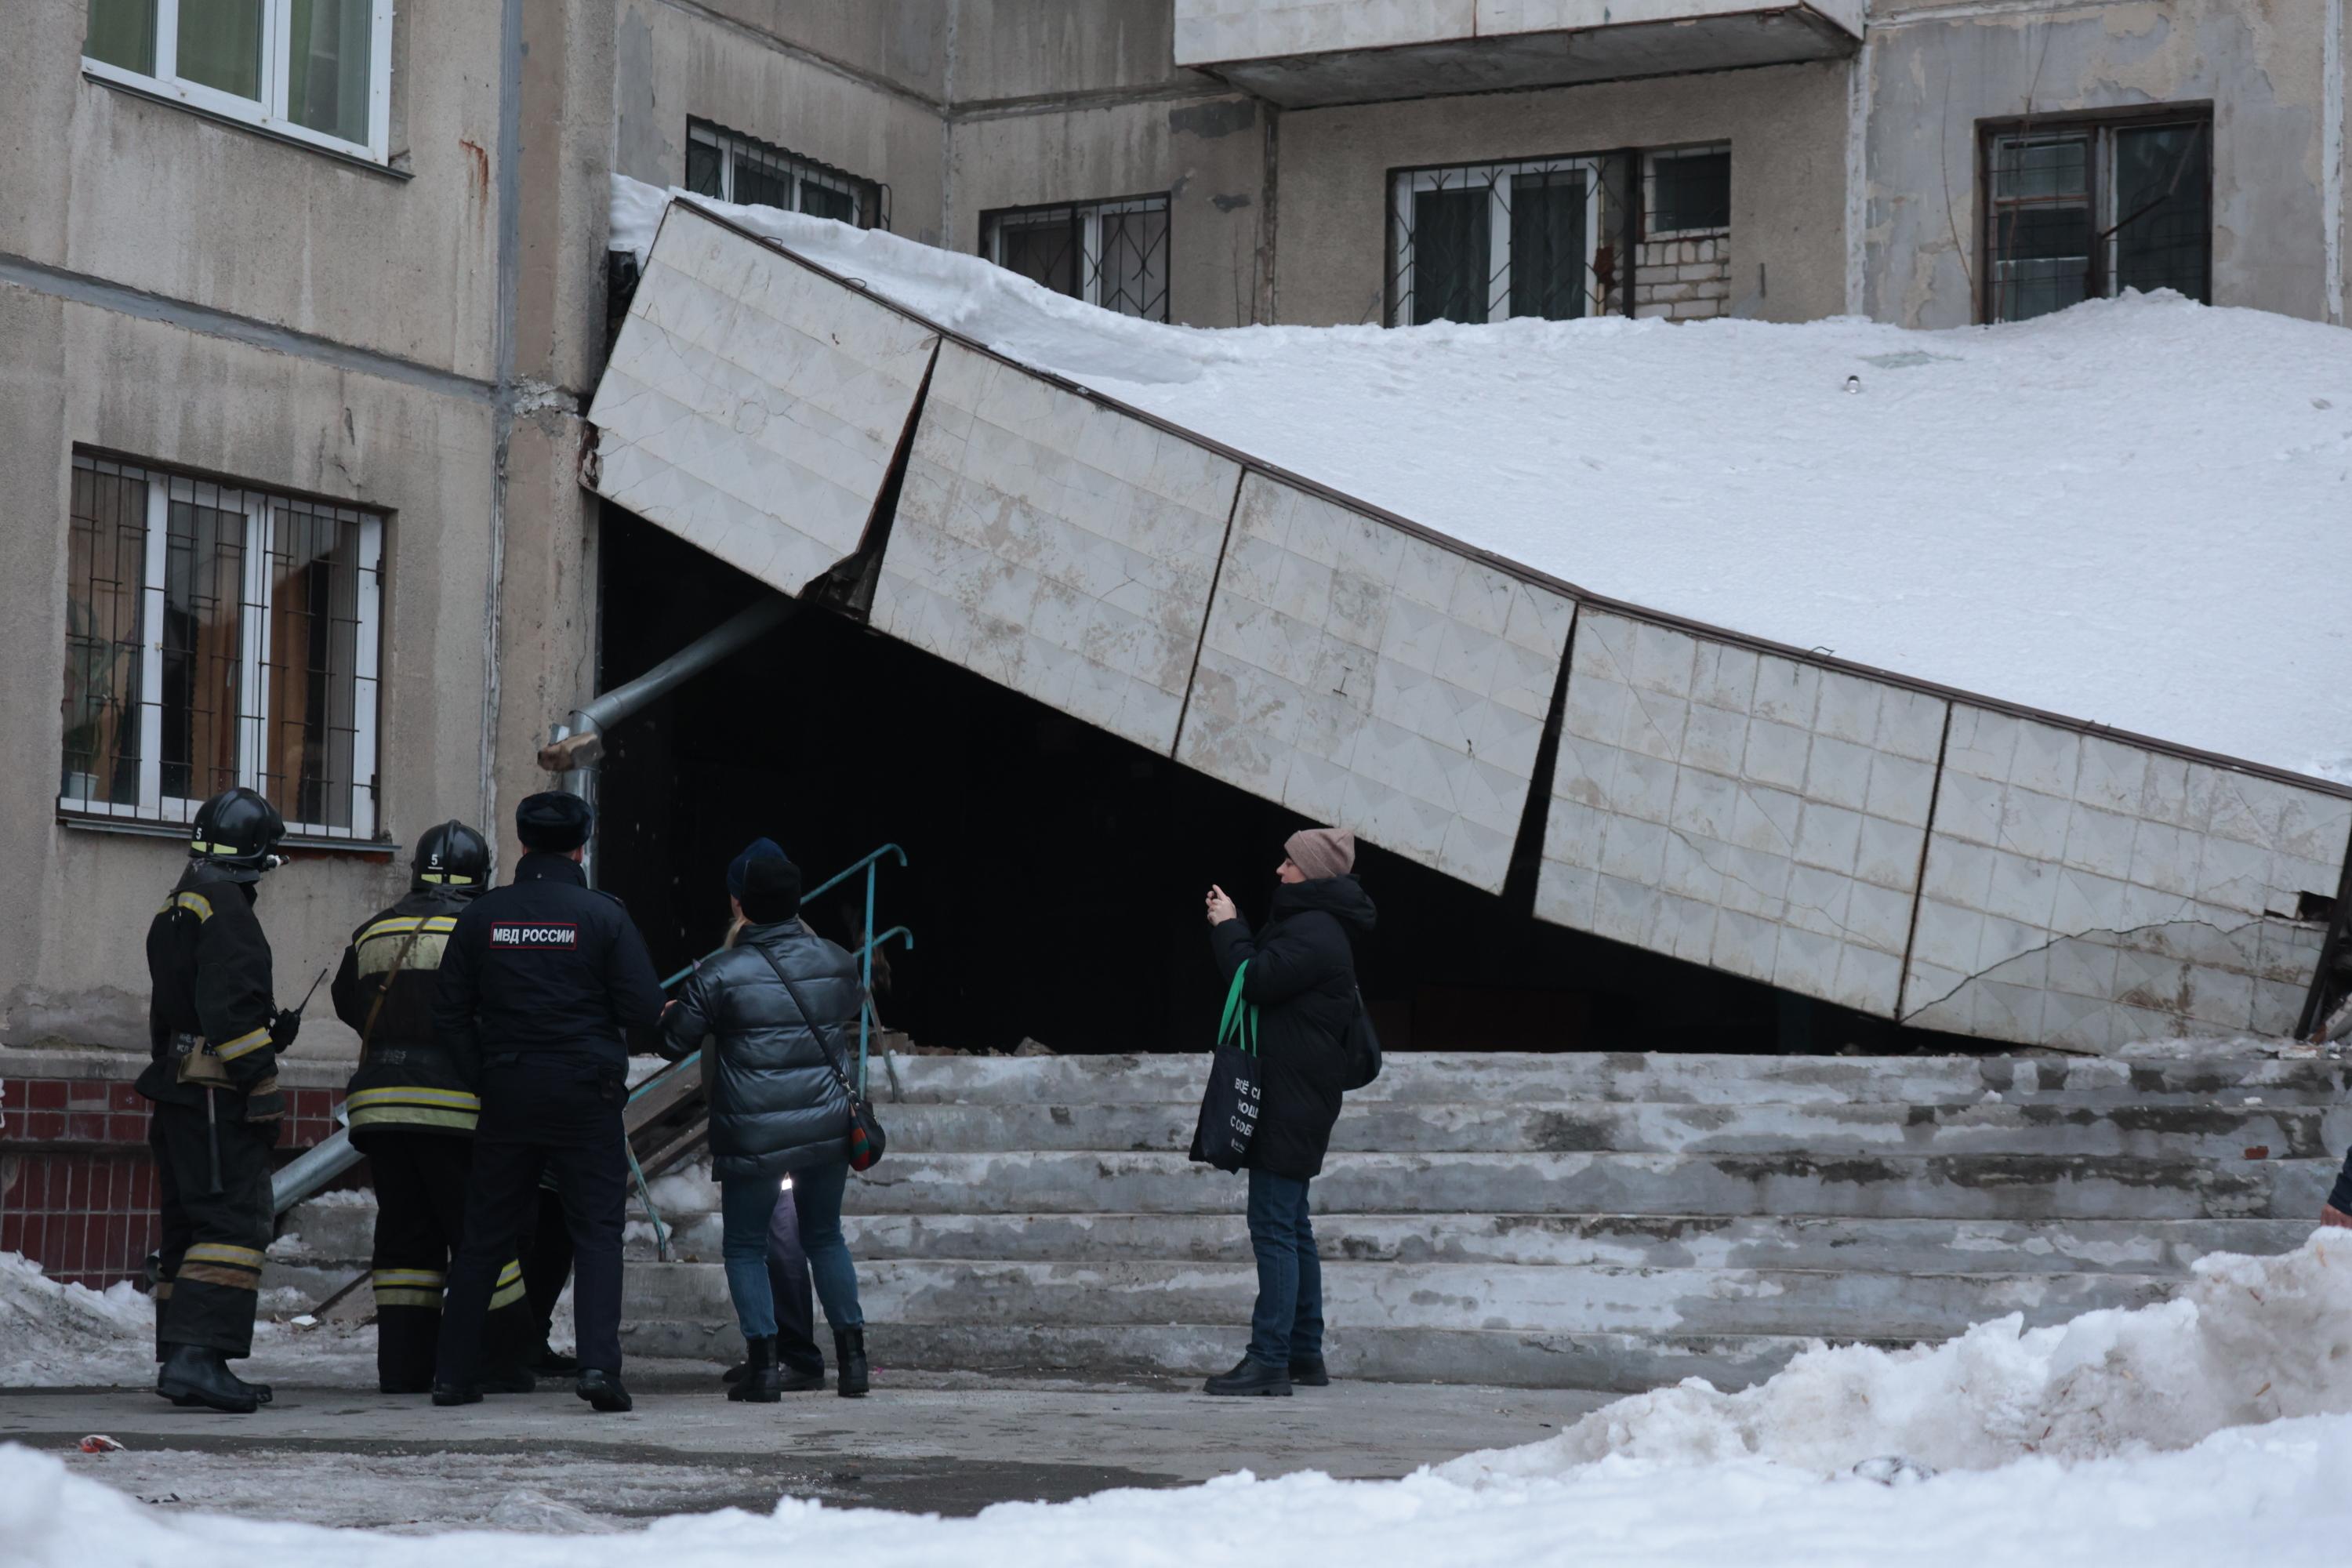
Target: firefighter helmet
pixel 237 831
pixel 451 856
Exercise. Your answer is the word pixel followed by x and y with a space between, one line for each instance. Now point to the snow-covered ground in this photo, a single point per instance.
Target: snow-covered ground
pixel 2209 1430
pixel 55 1335
pixel 2112 513
pixel 2271 1495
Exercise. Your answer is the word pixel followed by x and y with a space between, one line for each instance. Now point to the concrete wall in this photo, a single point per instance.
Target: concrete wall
pixel 777 72
pixel 1054 102
pixel 1933 70
pixel 415 341
pixel 77 901
pixel 114 185
pixel 1784 124
pixel 1208 153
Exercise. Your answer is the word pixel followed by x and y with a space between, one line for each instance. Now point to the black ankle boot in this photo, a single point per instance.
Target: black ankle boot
pixel 603 1390
pixel 1250 1376
pixel 197 1374
pixel 1308 1371
pixel 763 1382
pixel 849 1356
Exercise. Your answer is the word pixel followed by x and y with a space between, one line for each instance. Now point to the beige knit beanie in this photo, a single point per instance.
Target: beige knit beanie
pixel 1321 852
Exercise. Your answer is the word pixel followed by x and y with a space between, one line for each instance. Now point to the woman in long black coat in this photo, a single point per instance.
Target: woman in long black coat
pixel 1302 976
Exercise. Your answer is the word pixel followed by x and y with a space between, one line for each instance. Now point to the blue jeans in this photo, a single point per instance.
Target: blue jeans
pixel 1287 1324
pixel 745 1208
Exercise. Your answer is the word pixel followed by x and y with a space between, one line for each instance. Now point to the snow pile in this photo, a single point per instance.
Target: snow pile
pixel 689 1190
pixel 2109 513
pixel 52 1333
pixel 2271 1495
pixel 2249 1340
pixel 56 1335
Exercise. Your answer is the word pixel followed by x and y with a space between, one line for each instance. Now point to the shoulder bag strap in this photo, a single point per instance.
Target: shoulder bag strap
pixel 375 1008
pixel 833 1059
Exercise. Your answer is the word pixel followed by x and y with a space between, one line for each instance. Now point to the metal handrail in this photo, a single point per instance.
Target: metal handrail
pixel 864 1009
pixel 866 864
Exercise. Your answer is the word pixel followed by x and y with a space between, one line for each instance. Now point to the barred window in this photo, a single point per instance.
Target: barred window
pixel 2083 210
pixel 216 636
pixel 1482 242
pixel 1689 192
pixel 735 168
pixel 1110 253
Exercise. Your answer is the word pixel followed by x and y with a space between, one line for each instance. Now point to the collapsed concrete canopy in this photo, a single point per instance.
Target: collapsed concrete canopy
pixel 1915 852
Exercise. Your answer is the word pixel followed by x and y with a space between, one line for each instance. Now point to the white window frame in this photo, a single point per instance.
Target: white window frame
pixel 729 145
pixel 254 614
pixel 1650 162
pixel 1409 183
pixel 270 112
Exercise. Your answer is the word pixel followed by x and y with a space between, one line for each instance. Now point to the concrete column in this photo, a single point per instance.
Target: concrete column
pixel 541 612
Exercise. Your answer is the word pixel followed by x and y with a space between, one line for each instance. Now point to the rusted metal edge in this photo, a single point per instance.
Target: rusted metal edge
pixel 1520 570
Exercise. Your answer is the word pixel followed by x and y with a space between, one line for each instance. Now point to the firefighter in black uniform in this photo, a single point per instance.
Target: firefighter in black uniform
pixel 542 982
pixel 216 1032
pixel 413 1113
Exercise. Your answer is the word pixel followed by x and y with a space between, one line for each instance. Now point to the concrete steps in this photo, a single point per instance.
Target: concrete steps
pixel 1876 1186
pixel 1429 1297
pixel 1624 1364
pixel 2145 1131
pixel 1460 1077
pixel 1603 1221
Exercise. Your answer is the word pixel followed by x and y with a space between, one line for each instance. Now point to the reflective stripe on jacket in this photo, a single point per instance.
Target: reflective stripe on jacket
pixel 384 990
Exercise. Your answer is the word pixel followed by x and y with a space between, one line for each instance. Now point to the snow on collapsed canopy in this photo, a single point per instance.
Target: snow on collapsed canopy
pixel 2127 514
pixel 2057 1439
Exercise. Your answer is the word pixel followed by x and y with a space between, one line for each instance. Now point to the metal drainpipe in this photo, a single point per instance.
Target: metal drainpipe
pixel 576 749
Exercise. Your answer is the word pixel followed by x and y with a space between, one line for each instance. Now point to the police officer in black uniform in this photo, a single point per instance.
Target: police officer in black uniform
pixel 413 1113
pixel 541 984
pixel 214 1031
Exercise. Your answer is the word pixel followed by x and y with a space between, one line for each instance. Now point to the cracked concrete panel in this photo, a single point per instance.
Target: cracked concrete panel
pixel 2081 891
pixel 1366 677
pixel 1058 547
pixel 751 406
pixel 1740 809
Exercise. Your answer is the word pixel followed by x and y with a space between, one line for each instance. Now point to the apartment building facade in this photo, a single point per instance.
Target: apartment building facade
pixel 304 300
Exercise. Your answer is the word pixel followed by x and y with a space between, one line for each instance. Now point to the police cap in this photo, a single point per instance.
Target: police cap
pixel 553 821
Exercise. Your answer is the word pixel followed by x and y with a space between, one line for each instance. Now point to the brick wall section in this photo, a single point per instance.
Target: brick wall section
pixel 1682 280
pixel 76 1182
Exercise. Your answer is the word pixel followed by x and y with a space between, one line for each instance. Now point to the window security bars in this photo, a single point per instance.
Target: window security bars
pixel 735 168
pixel 1113 253
pixel 317 70
pixel 1687 192
pixel 2083 211
pixel 1544 236
pixel 218 636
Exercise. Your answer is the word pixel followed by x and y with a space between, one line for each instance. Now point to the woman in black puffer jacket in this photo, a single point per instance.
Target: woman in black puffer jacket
pixel 777 1110
pixel 1302 976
